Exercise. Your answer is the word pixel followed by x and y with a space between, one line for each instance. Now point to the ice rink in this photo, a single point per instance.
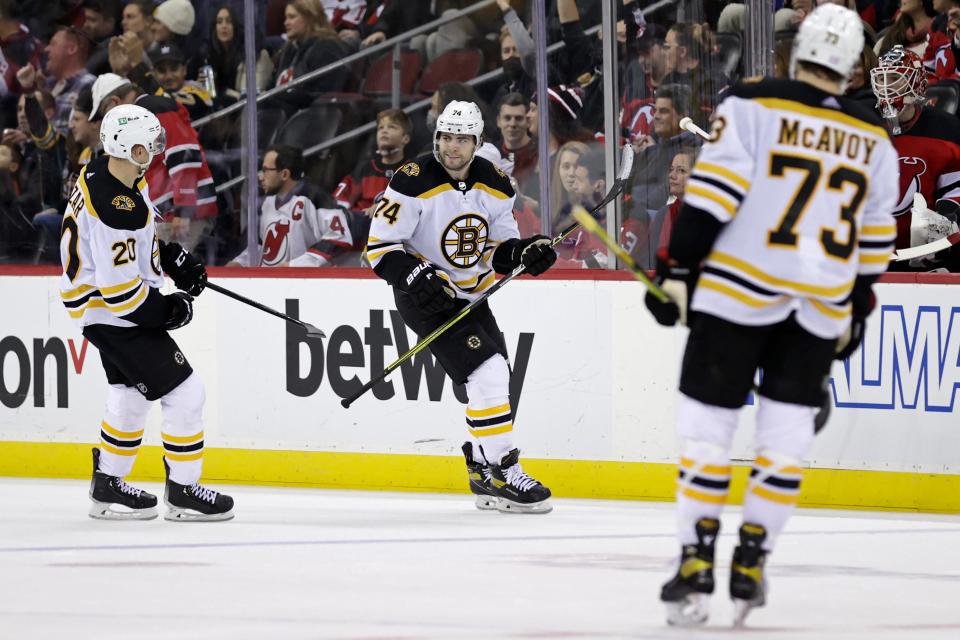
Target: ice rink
pixel 301 563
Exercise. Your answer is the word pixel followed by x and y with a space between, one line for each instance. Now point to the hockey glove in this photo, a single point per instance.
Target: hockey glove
pixel 181 310
pixel 186 270
pixel 678 283
pixel 862 301
pixel 536 254
pixel 428 290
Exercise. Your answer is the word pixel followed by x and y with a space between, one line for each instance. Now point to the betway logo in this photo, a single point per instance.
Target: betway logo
pixel 915 364
pixel 339 357
pixel 20 366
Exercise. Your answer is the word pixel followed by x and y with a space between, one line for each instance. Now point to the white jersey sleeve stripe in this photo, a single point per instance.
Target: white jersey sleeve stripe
pixel 710 201
pixel 831 311
pixel 721 172
pixel 751 272
pixel 732 291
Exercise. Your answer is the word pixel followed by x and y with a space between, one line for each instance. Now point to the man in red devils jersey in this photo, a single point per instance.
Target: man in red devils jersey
pixel 926 139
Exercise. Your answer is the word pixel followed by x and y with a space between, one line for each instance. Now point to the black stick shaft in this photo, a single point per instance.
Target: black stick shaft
pixel 254 304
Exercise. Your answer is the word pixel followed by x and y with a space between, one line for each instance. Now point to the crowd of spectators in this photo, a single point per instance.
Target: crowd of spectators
pixel 63 63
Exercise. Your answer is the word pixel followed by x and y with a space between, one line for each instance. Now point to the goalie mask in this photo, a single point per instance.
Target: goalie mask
pixel 462 119
pixel 830 37
pixel 127 126
pixel 898 80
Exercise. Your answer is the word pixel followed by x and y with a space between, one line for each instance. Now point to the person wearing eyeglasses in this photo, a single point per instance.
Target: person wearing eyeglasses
pixel 300 224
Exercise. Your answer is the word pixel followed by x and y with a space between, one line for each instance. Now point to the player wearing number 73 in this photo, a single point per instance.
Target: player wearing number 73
pixel 113 268
pixel 786 224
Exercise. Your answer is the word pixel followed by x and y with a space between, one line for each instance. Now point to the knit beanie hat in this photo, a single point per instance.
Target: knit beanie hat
pixel 176 15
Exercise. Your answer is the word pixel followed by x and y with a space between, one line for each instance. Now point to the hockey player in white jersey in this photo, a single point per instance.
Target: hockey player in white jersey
pixel 113 268
pixel 442 231
pixel 300 225
pixel 786 224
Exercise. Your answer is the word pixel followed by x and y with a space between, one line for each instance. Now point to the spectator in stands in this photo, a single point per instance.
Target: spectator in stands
pixel 311 44
pixel 517 56
pixel 179 180
pixel 688 62
pixel 398 17
pixel 565 106
pixel 85 134
pixel 170 72
pixel 517 145
pixel 225 54
pixel 911 28
pixel 41 168
pixel 300 225
pixel 359 191
pixel 99 25
pixel 580 171
pixel 350 17
pixel 655 153
pixel 66 74
pixel 18 48
pixel 642 78
pixel 858 87
pixel 173 20
pixel 138 20
pixel 581 65
pixel 17 234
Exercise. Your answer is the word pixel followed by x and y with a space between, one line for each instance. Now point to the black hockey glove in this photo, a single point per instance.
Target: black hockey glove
pixel 535 252
pixel 862 302
pixel 678 283
pixel 428 290
pixel 181 310
pixel 186 270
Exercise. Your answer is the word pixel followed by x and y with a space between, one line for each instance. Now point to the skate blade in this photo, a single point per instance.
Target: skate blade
pixel 176 514
pixel 509 506
pixel 692 611
pixel 112 511
pixel 742 608
pixel 486 503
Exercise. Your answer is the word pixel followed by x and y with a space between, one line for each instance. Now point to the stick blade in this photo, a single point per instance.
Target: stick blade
pixel 313 332
pixel 626 162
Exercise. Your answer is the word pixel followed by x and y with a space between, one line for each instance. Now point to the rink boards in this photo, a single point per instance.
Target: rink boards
pixel 594 387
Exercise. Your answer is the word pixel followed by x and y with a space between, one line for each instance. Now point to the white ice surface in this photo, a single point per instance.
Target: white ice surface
pixel 300 563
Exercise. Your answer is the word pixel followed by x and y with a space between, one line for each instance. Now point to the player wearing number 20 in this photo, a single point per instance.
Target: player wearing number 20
pixel 112 274
pixel 441 232
pixel 786 224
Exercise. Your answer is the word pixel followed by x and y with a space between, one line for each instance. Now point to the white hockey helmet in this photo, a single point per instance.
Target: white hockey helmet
pixel 831 37
pixel 459 118
pixel 127 125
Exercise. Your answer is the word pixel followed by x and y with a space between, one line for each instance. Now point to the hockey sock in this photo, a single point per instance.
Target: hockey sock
pixel 121 431
pixel 182 432
pixel 784 434
pixel 489 416
pixel 704 475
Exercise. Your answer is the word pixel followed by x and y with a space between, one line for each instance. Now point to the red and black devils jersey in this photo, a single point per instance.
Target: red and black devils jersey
pixel 929 164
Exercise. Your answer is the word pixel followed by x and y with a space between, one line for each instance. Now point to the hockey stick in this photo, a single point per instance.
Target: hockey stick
pixel 688 124
pixel 594 227
pixel 312 331
pixel 926 249
pixel 626 167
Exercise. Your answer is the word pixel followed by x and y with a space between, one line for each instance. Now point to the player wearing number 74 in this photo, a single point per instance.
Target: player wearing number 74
pixel 786 224
pixel 113 268
pixel 442 231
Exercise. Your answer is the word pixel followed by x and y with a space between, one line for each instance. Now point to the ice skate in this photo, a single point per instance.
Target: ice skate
pixel 687 594
pixel 748 585
pixel 194 502
pixel 518 492
pixel 480 478
pixel 114 499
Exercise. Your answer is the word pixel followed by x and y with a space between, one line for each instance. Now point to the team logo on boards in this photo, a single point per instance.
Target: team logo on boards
pixel 464 239
pixel 122 203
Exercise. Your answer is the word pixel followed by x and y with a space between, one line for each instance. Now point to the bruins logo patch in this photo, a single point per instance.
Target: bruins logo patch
pixel 412 169
pixel 122 203
pixel 474 342
pixel 464 239
pixel 499 171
